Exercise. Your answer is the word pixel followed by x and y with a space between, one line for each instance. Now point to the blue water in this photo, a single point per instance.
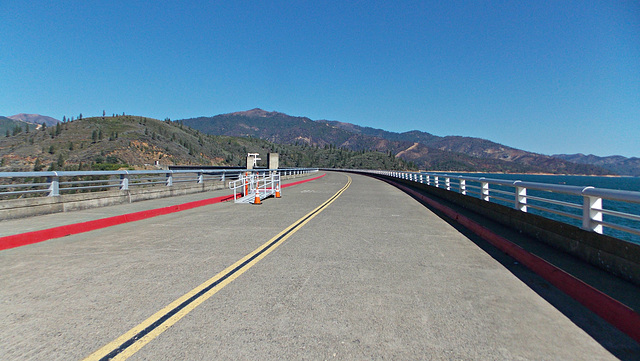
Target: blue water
pixel 619 183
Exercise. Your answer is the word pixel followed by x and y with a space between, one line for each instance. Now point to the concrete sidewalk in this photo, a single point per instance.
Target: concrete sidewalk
pixel 47 221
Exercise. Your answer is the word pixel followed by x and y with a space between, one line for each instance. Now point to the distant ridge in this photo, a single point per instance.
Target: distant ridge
pixel 35 119
pixel 425 150
pixel 115 142
pixel 256 112
pixel 615 163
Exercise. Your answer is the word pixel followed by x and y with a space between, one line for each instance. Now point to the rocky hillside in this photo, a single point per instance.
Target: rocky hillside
pixel 616 163
pixel 425 150
pixel 139 142
pixel 480 148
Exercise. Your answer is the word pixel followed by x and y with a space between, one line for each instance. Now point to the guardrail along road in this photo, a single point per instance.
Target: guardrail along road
pixel 344 267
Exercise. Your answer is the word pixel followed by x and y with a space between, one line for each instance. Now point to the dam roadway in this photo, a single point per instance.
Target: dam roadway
pixel 347 267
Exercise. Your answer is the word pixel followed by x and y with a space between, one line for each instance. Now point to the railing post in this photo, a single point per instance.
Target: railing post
pixel 436 181
pixel 54 185
pixel 170 179
pixel 200 178
pixel 124 181
pixel 428 180
pixel 463 186
pixel 592 214
pixel 521 199
pixel 421 178
pixel 447 183
pixel 485 191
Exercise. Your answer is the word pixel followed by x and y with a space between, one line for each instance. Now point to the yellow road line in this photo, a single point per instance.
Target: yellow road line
pixel 133 340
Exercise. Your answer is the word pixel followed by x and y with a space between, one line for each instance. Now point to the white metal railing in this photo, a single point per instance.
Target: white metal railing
pixel 253 187
pixel 52 184
pixel 583 204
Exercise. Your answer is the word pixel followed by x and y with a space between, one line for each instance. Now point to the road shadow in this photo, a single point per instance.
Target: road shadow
pixel 612 339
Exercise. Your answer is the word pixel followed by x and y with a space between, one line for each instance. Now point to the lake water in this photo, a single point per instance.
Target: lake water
pixel 619 183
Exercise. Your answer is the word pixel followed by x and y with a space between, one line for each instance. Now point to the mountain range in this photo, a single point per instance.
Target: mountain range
pixel 309 139
pixel 615 163
pixel 425 150
pixel 133 142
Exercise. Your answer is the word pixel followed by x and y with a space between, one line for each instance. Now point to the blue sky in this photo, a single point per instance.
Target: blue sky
pixel 543 76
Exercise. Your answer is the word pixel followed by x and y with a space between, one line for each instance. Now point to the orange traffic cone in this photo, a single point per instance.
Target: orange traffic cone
pixel 277 194
pixel 257 199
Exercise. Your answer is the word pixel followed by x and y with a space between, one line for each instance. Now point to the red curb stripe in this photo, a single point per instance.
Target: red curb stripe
pixel 302 181
pixel 23 239
pixel 611 310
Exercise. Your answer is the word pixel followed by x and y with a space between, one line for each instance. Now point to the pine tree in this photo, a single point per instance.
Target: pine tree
pixel 38 166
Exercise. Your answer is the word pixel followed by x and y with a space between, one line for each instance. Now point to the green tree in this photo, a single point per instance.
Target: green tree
pixel 52 149
pixel 60 161
pixel 94 136
pixel 38 166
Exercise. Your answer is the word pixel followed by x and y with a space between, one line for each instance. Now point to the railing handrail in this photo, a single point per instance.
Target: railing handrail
pixel 123 179
pixel 611 194
pixel 134 172
pixel 592 207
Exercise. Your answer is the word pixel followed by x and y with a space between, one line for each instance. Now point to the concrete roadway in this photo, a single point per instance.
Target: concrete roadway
pixel 375 275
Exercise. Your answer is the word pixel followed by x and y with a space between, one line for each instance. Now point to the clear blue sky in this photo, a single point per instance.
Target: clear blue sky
pixel 544 76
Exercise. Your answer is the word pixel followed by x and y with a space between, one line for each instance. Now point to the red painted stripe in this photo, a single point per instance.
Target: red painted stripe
pixel 24 239
pixel 610 309
pixel 302 181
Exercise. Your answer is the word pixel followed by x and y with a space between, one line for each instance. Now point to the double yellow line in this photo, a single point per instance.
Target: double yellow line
pixel 129 343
